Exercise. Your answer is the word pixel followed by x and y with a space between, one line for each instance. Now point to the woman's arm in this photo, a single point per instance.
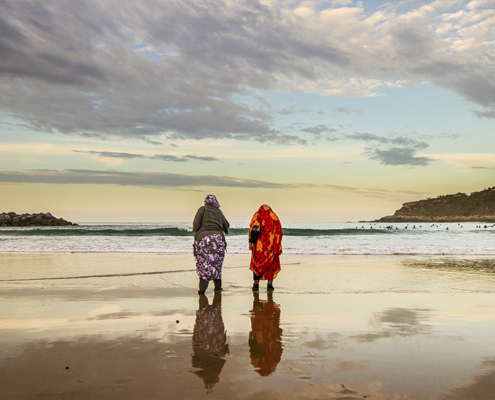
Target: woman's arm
pixel 198 219
pixel 226 225
pixel 254 221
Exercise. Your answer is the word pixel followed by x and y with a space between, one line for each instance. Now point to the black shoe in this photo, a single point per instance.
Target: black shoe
pixel 256 287
pixel 201 292
pixel 219 290
pixel 269 287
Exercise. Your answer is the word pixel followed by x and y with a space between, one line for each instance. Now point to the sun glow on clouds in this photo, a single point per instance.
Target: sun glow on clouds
pixel 467 160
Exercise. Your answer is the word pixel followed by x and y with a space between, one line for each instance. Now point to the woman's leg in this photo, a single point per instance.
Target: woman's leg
pixel 218 284
pixel 256 285
pixel 203 285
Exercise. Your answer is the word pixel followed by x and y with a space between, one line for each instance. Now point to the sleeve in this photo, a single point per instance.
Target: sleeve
pixel 198 219
pixel 281 234
pixel 226 225
pixel 254 221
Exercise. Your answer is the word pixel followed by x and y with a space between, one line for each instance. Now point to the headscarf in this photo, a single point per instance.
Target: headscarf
pixel 212 200
pixel 265 254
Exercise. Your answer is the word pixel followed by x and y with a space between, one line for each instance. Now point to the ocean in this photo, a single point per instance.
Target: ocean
pixel 471 238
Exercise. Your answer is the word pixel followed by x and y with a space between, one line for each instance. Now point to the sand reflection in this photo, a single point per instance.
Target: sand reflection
pixel 209 341
pixel 265 338
pixel 482 387
pixel 397 322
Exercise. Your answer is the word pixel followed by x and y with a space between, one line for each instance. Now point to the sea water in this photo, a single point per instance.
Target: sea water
pixel 471 238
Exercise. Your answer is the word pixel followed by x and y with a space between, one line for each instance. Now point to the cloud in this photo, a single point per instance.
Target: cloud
pixel 319 130
pixel 177 69
pixel 400 150
pixel 398 156
pixel 486 114
pixel 398 140
pixel 110 154
pixel 168 180
pixel 348 111
pixel 162 157
pixel 367 137
pixel 150 179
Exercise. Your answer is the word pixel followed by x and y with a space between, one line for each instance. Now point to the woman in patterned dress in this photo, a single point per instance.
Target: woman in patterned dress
pixel 209 243
pixel 265 251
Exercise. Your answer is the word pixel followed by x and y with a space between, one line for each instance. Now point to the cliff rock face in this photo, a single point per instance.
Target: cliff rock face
pixel 476 207
pixel 40 219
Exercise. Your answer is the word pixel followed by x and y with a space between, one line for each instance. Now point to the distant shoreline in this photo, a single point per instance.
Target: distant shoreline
pixel 421 219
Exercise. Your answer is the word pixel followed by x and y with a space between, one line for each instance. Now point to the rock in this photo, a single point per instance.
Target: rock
pixel 44 219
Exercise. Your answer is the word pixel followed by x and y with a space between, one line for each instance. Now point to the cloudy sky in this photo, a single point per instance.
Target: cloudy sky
pixel 327 111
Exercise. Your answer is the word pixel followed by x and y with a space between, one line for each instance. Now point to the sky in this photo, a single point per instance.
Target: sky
pixel 328 111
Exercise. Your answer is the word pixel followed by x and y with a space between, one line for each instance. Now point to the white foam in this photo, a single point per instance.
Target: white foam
pixel 465 239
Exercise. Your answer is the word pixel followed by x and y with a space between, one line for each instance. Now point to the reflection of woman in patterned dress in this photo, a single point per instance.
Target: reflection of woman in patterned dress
pixel 209 341
pixel 209 243
pixel 265 338
pixel 265 251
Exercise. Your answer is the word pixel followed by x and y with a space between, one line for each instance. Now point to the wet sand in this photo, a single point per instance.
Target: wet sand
pixel 402 329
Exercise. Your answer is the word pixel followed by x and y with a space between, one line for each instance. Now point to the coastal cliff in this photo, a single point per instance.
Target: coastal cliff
pixel 459 207
pixel 39 219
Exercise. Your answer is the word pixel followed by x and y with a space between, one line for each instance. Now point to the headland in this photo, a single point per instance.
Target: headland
pixel 459 207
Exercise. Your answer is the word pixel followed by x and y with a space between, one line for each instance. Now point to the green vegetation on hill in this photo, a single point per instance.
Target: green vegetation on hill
pixel 478 207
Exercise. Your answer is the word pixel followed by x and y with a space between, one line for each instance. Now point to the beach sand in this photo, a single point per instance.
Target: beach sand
pixel 335 328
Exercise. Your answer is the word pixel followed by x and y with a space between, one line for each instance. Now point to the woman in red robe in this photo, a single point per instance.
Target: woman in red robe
pixel 266 250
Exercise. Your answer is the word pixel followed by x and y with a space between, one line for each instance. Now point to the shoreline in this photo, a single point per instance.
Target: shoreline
pixel 330 274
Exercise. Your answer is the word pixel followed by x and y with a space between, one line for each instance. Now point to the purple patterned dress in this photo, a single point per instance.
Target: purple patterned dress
pixel 209 254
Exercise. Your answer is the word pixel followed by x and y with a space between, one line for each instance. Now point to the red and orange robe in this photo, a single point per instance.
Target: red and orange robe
pixel 265 260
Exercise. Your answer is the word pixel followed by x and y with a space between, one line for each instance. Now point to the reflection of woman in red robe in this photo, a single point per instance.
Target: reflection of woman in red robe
pixel 209 341
pixel 265 338
pixel 265 260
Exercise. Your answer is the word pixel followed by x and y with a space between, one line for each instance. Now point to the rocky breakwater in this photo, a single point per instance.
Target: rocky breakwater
pixel 39 219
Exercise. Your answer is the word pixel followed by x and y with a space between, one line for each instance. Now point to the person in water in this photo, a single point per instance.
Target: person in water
pixel 209 243
pixel 265 243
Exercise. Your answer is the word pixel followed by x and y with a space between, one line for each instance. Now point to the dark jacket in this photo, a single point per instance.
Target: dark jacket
pixel 208 220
